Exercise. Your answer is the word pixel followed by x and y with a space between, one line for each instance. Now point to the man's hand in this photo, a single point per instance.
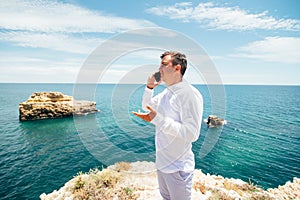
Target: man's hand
pixel 148 117
pixel 151 82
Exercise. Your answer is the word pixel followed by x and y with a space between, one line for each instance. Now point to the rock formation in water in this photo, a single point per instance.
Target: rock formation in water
pixel 43 105
pixel 214 121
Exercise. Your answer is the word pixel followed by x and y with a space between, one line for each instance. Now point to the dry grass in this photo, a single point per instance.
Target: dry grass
pixel 102 185
pixel 199 186
pixel 122 166
pixel 245 191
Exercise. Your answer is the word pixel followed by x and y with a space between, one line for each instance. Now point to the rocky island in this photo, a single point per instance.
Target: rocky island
pixel 138 180
pixel 214 121
pixel 43 105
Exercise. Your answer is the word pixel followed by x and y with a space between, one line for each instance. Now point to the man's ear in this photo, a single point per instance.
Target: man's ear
pixel 178 67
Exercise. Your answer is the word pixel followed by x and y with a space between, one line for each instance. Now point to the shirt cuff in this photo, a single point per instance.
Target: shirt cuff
pixel 148 89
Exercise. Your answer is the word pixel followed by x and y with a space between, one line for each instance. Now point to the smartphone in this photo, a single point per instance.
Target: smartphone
pixel 157 76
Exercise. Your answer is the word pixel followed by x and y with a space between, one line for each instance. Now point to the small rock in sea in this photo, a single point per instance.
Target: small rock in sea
pixel 44 105
pixel 214 121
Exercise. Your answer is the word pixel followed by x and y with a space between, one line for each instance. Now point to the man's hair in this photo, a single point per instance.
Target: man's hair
pixel 177 59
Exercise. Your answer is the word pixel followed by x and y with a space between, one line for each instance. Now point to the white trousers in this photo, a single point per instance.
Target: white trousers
pixel 175 186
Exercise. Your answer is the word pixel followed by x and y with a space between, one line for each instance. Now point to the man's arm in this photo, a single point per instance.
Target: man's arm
pixel 148 93
pixel 147 98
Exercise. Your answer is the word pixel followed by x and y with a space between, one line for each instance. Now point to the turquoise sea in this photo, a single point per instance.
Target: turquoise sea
pixel 260 143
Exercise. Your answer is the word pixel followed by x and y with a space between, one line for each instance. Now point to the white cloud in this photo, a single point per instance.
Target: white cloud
pixel 45 74
pixel 17 61
pixel 54 41
pixel 18 68
pixel 224 18
pixel 53 16
pixel 273 49
pixel 58 26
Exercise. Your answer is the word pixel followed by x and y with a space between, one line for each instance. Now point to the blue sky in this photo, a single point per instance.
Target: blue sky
pixel 249 41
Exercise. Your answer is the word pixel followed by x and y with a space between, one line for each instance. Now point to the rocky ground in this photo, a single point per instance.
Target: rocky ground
pixel 138 181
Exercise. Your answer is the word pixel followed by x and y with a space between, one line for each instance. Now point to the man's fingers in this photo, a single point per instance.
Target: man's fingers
pixel 135 113
pixel 149 108
pixel 143 116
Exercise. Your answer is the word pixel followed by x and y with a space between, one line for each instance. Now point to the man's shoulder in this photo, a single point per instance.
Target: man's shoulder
pixel 186 90
pixel 192 92
pixel 188 87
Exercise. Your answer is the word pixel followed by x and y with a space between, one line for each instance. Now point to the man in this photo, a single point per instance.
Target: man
pixel 177 114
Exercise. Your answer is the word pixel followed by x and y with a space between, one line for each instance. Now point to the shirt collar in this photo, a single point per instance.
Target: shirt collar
pixel 176 86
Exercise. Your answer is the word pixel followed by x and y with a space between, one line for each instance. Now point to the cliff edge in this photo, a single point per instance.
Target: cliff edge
pixel 138 180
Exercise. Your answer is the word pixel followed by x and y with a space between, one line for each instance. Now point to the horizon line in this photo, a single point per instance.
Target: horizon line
pixel 226 84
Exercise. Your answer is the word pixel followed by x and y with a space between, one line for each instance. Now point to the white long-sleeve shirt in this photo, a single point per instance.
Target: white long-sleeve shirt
pixel 179 114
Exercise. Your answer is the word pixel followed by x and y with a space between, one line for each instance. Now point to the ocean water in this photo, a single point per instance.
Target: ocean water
pixel 260 143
